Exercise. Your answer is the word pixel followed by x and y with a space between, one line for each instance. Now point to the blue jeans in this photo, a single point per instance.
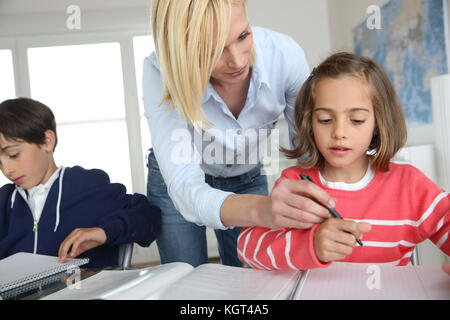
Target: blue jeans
pixel 184 241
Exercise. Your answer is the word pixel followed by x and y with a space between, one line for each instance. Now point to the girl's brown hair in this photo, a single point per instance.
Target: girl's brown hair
pixel 390 127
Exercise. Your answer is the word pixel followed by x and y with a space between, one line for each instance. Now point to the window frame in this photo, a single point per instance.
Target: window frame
pixel 19 48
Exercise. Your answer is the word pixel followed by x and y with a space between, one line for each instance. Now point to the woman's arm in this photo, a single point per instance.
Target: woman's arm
pixel 290 205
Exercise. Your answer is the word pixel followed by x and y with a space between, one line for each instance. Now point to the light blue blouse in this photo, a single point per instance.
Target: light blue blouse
pixel 231 146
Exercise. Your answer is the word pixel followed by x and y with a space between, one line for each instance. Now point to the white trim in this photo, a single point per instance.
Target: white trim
pixel 442 240
pixel 21 71
pixel 77 38
pixel 272 257
pixel 132 115
pixel 248 262
pixel 258 245
pixel 440 223
pixel 287 250
pixel 382 244
pixel 243 233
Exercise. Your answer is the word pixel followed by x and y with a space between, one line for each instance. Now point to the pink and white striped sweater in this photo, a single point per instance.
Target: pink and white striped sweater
pixel 403 206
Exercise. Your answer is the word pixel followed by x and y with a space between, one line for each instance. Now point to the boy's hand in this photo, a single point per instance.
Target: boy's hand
pixel 81 240
pixel 335 238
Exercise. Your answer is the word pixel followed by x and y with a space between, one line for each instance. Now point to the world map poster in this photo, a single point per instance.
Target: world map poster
pixel 410 45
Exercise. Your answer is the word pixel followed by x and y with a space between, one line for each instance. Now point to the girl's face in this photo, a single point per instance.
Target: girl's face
pixel 343 123
pixel 233 65
pixel 26 164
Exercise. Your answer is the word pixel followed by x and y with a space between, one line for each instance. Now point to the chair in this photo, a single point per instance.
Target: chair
pixel 125 253
pixel 415 257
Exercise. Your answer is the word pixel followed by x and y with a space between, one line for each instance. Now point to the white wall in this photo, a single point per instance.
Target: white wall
pixel 344 16
pixel 304 20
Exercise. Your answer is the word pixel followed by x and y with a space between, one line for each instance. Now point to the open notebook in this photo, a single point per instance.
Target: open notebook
pixel 25 268
pixel 217 282
pixel 180 280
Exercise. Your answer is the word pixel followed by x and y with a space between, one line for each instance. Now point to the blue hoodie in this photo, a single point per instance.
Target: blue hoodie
pixel 78 198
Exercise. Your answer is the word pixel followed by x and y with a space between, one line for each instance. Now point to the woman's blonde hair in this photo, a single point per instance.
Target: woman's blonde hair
pixel 189 37
pixel 390 132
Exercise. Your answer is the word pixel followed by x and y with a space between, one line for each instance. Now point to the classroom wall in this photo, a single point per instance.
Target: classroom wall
pixel 304 20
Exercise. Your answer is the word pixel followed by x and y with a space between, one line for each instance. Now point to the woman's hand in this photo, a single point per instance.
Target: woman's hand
pixel 297 204
pixel 81 240
pixel 292 204
pixel 335 238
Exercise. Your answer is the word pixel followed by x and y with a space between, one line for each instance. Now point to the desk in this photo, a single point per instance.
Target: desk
pixel 218 282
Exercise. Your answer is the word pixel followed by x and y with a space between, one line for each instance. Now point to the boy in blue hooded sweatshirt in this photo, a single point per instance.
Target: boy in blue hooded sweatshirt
pixel 64 212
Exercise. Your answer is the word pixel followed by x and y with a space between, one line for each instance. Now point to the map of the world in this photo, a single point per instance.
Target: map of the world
pixel 411 47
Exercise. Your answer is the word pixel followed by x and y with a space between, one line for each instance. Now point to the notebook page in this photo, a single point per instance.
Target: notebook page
pixel 25 265
pixel 138 284
pixel 219 282
pixel 435 282
pixel 363 282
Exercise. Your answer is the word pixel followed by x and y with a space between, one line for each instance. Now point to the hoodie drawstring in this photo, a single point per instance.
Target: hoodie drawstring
pixel 13 197
pixel 58 203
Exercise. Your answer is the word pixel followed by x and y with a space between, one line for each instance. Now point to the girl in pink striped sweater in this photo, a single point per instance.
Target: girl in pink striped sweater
pixel 349 126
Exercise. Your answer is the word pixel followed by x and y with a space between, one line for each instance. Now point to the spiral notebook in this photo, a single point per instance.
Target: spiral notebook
pixel 24 268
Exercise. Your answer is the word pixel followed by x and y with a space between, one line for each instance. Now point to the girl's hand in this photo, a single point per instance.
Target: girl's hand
pixel 335 238
pixel 297 204
pixel 81 240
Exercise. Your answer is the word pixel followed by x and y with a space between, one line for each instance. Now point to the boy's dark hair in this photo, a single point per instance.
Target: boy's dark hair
pixel 390 126
pixel 26 120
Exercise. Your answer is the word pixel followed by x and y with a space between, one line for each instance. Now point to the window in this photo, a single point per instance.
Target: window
pixel 7 88
pixel 83 86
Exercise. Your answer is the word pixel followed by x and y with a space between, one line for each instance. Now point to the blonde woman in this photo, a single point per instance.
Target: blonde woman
pixel 212 82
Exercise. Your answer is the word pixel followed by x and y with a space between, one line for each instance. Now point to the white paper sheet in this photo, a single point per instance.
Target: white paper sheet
pixel 375 282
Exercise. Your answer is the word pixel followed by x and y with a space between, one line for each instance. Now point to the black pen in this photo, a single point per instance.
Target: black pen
pixel 333 212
